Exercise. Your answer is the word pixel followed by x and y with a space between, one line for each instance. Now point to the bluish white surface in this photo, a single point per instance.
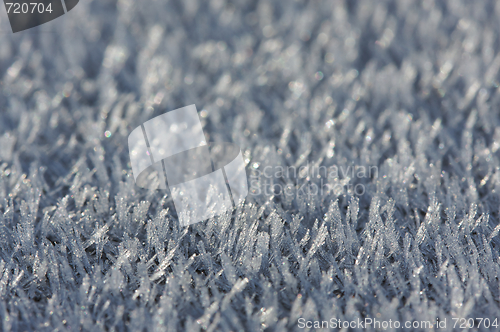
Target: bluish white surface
pixel 410 87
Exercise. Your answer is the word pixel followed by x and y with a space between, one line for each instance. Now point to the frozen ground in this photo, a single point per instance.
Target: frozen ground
pixel 410 87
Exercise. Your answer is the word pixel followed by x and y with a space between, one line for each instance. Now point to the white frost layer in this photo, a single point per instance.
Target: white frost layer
pixel 410 87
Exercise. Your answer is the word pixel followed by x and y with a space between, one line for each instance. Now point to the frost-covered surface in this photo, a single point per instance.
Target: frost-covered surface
pixel 408 86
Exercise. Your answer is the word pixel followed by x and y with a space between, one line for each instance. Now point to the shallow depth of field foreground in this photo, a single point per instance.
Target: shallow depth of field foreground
pixel 407 88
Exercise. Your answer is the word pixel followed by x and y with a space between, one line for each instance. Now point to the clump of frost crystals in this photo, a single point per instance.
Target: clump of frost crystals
pixel 407 87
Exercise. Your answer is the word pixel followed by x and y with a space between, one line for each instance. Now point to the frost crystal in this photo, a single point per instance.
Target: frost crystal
pixel 315 93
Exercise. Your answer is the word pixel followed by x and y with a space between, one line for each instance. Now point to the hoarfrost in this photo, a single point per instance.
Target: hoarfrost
pixel 409 88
